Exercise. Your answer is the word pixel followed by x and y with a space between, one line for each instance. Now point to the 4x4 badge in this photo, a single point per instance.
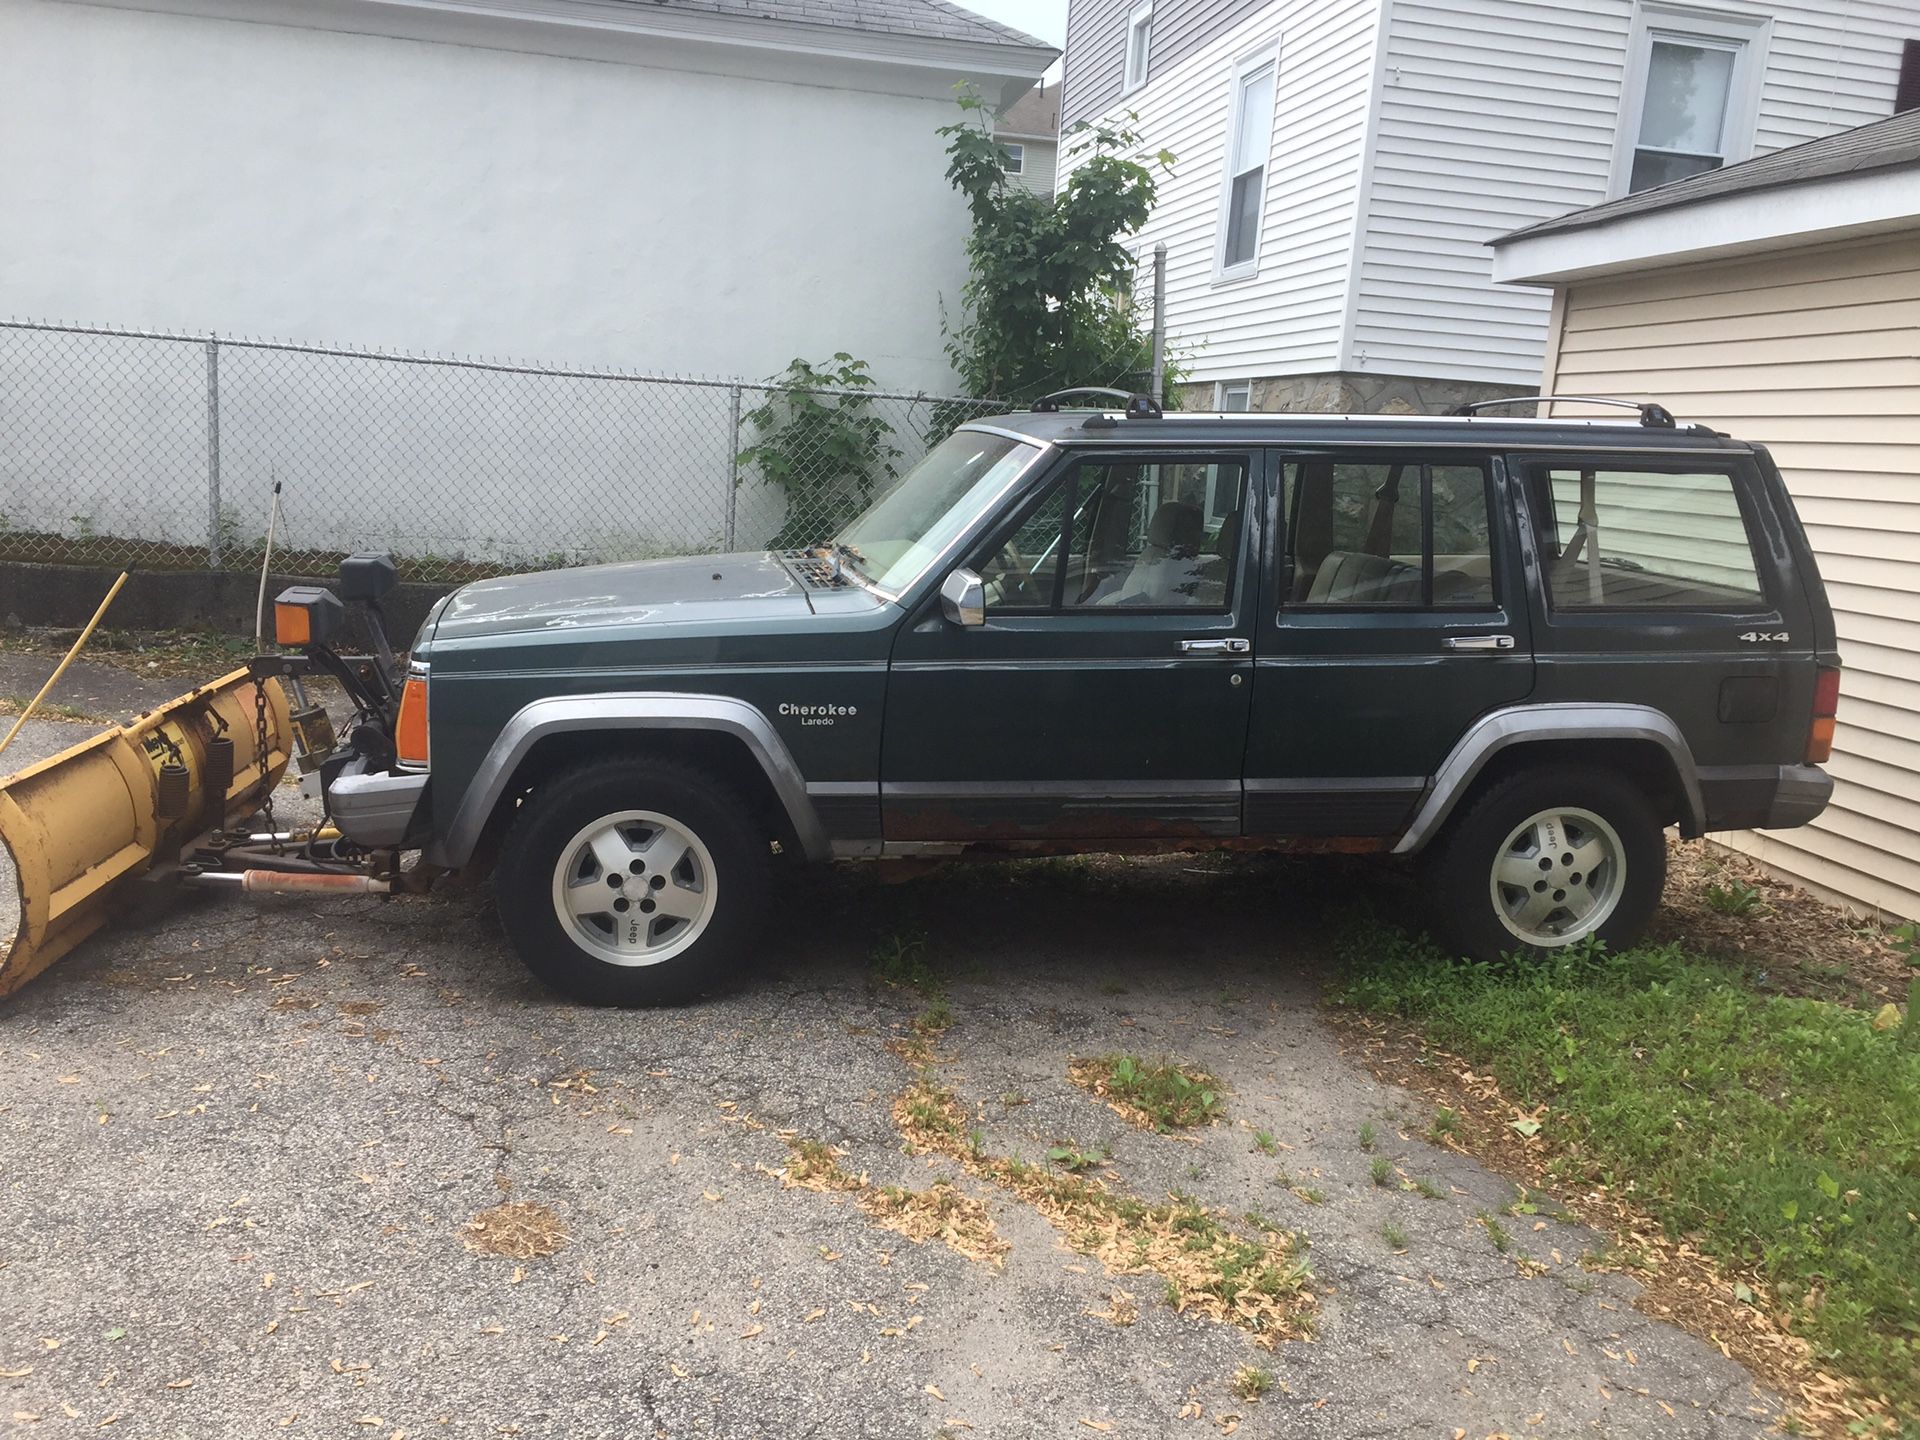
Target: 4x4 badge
pixel 1765 637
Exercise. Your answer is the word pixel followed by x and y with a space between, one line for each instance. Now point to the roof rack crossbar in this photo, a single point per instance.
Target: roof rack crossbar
pixel 1138 406
pixel 1654 416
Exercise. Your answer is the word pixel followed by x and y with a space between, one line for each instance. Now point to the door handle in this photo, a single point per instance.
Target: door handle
pixel 1478 643
pixel 1235 646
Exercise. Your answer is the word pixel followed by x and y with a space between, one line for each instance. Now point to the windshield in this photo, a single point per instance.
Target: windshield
pixel 898 536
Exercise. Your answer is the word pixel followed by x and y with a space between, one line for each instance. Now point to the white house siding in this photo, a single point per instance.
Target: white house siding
pixel 1494 114
pixel 1286 319
pixel 1816 354
pixel 173 171
pixel 1041 158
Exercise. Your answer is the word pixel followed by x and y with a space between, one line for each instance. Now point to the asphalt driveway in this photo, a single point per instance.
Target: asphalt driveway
pixel 240 1149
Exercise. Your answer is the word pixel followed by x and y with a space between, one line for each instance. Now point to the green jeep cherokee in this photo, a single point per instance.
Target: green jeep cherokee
pixel 1514 648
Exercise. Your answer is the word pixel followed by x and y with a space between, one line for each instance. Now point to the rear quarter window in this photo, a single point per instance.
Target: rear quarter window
pixel 1618 537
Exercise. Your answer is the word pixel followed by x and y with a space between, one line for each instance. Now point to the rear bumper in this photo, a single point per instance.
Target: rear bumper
pixel 374 809
pixel 1763 797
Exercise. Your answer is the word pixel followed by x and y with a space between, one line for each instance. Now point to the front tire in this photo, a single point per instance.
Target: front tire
pixel 633 882
pixel 1542 859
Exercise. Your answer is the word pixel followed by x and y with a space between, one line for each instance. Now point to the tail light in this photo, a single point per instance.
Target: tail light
pixel 410 728
pixel 1826 705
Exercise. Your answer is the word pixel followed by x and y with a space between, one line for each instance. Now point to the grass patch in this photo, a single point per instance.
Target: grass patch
pixel 1777 1133
pixel 1163 1096
pixel 900 959
pixel 1250 1382
pixel 1259 1285
pixel 1263 1141
pixel 1395 1237
pixel 1367 1135
pixel 1380 1170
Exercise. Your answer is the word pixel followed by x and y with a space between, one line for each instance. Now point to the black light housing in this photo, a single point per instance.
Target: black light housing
pixel 367 576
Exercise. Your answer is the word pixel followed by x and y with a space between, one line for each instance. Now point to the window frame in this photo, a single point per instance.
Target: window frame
pixel 1139 23
pixel 1659 20
pixel 1425 461
pixel 1532 477
pixel 1245 68
pixel 1224 388
pixel 1248 460
pixel 1014 157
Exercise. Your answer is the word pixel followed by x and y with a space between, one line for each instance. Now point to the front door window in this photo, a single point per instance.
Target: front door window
pixel 1125 533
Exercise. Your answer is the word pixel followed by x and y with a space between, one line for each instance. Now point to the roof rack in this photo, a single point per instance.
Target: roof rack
pixel 1654 416
pixel 1138 407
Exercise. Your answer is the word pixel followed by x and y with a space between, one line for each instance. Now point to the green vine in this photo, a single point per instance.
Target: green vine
pixel 820 442
pixel 1048 301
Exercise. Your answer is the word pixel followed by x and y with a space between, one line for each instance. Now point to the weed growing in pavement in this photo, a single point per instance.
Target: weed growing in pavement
pixel 900 959
pixel 1157 1096
pixel 1311 1194
pixel 1263 1142
pixel 1367 1135
pixel 1070 1157
pixel 1395 1237
pixel 1496 1232
pixel 1380 1170
pixel 1425 1188
pixel 1250 1382
pixel 1445 1125
pixel 1259 1285
pixel 1776 1132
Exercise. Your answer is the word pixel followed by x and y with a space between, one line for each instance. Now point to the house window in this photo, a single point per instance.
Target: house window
pixel 1015 158
pixel 1233 396
pixel 1243 190
pixel 1139 41
pixel 1689 99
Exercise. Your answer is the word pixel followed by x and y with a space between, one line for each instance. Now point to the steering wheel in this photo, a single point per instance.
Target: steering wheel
pixel 1017 582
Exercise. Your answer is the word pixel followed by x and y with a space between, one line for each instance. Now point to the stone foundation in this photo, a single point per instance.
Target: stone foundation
pixel 1350 394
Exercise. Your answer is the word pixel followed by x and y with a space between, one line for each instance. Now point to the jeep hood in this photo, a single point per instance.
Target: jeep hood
pixel 752 587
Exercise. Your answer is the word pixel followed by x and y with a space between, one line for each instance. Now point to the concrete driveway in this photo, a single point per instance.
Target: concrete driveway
pixel 240 1150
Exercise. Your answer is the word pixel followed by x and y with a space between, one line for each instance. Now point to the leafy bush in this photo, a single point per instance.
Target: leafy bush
pixel 1048 301
pixel 821 443
pixel 1779 1132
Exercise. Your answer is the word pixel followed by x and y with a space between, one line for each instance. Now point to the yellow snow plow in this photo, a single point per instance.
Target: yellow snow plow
pixel 91 820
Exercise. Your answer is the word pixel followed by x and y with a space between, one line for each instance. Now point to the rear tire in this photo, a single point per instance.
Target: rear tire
pixel 633 882
pixel 1542 859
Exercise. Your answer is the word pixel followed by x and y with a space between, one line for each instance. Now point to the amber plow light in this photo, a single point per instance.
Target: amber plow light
pixel 1826 705
pixel 410 729
pixel 305 615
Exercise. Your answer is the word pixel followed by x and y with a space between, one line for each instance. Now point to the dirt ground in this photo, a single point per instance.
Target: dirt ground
pixel 255 1157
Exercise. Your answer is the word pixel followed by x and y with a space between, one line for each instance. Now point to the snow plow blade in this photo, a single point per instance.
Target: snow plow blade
pixel 82 824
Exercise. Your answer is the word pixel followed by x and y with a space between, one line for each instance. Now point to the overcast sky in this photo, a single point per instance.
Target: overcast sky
pixel 1044 19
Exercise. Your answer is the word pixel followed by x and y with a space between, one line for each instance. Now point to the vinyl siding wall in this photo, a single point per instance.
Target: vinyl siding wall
pixel 1040 157
pixel 1494 114
pixel 1094 68
pixel 1285 319
pixel 1816 354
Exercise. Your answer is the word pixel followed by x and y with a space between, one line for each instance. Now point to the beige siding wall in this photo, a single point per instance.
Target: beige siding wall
pixel 1816 354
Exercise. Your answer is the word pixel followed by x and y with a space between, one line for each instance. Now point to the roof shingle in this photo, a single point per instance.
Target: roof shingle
pixel 1884 144
pixel 933 19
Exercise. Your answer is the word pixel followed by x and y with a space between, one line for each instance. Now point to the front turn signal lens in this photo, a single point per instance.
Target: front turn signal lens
pixel 410 729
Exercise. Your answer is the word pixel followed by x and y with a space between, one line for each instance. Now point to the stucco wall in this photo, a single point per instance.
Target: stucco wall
pixel 171 171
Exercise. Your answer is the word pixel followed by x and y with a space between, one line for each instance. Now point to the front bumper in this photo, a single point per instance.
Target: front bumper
pixel 375 808
pixel 1763 797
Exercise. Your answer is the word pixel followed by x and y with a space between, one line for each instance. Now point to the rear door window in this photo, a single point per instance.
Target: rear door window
pixel 1389 534
pixel 1617 536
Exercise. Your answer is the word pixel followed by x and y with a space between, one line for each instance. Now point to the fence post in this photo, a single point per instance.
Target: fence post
pixel 733 462
pixel 213 453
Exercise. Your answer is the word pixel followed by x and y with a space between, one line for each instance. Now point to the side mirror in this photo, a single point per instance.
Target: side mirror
pixel 963 598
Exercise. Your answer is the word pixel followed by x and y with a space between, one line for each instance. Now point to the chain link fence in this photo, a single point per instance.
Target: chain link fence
pixel 161 451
